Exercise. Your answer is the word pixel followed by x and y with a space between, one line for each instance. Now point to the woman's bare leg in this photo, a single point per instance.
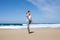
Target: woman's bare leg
pixel 28 28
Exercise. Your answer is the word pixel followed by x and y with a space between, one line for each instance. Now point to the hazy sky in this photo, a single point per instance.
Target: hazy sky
pixel 42 11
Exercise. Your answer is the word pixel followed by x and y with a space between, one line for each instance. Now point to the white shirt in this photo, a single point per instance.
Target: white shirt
pixel 29 18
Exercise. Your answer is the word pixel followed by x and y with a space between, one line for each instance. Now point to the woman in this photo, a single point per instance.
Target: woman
pixel 29 20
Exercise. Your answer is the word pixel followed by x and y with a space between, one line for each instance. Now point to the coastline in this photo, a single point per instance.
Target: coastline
pixel 31 26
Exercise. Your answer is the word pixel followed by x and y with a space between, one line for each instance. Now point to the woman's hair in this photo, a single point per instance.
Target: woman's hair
pixel 28 11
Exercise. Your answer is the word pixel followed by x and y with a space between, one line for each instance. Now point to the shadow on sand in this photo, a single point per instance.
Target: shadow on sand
pixel 31 32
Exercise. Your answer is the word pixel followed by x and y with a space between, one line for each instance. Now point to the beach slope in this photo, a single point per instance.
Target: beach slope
pixel 36 34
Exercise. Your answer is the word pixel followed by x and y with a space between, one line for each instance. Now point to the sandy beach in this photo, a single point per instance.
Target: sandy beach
pixel 36 34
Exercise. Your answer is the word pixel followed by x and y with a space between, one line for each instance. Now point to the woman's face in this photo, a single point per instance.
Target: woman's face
pixel 28 14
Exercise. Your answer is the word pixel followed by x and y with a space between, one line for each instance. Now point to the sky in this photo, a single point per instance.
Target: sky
pixel 42 11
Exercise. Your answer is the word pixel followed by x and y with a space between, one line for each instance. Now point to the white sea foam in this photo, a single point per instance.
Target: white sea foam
pixel 31 26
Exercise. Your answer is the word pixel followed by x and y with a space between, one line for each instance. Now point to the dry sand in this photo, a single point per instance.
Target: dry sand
pixel 37 34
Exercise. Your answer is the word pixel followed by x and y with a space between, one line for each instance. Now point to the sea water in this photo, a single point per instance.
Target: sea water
pixel 19 26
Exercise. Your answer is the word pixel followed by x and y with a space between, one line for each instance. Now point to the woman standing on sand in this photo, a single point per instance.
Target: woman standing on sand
pixel 29 20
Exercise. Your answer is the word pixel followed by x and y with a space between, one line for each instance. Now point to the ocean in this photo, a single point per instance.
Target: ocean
pixel 19 26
